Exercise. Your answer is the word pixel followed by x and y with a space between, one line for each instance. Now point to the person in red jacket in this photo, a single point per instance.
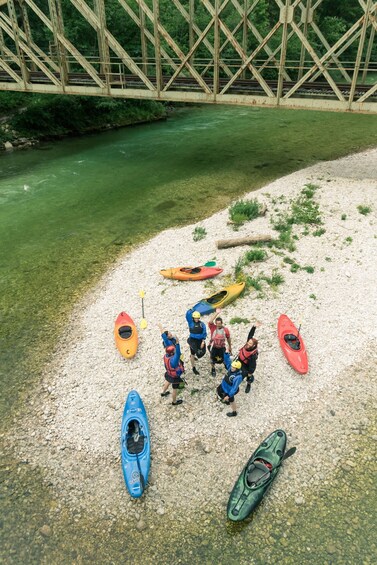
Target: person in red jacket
pixel 174 370
pixel 248 355
pixel 220 340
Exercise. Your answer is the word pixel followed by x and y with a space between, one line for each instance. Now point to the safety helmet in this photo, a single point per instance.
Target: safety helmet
pixel 236 364
pixel 170 350
pixel 196 314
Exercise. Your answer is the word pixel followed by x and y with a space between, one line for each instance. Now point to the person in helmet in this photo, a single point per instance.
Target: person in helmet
pixel 174 370
pixel 248 355
pixel 220 343
pixel 197 337
pixel 230 385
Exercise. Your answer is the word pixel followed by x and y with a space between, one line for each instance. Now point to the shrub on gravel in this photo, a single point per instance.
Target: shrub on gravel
pixel 364 210
pixel 199 233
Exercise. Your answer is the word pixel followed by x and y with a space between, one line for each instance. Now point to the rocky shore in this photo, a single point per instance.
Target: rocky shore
pixel 198 451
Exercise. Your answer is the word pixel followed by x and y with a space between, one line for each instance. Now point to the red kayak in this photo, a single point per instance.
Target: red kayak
pixel 292 345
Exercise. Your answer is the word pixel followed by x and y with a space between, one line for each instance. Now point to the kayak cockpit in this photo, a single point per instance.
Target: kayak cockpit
pixel 125 332
pixel 217 297
pixel 292 341
pixel 191 270
pixel 257 472
pixel 135 438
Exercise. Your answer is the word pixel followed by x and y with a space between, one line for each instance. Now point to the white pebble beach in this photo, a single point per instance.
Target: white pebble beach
pixel 197 451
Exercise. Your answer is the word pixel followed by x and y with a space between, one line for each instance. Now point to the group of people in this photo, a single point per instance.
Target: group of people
pixel 220 349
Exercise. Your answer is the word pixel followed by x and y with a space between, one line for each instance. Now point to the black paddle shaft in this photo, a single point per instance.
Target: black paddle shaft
pixel 289 453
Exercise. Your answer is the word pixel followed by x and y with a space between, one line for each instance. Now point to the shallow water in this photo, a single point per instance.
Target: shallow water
pixel 68 210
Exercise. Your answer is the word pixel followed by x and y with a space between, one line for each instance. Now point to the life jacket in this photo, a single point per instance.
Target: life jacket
pixel 218 338
pixel 244 355
pixel 230 376
pixel 196 328
pixel 173 372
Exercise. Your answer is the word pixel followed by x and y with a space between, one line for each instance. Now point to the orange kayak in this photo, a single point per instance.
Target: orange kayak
pixel 125 334
pixel 191 273
pixel 292 345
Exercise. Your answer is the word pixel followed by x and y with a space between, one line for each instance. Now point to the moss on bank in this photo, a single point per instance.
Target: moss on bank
pixel 47 116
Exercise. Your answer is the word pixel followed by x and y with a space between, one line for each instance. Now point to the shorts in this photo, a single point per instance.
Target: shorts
pixel 174 381
pixel 195 348
pixel 223 394
pixel 246 373
pixel 217 355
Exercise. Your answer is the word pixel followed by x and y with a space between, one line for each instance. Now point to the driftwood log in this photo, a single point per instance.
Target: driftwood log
pixel 248 240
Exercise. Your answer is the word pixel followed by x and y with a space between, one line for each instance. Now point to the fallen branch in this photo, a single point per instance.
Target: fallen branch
pixel 248 240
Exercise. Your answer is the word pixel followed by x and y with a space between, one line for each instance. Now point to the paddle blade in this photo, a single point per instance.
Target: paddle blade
pixel 143 324
pixel 141 293
pixel 210 264
pixel 289 453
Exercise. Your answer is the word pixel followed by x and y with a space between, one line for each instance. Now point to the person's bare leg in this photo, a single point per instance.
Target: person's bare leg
pixel 165 388
pixel 234 409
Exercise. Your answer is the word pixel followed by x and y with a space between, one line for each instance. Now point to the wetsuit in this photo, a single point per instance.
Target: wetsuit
pixel 198 333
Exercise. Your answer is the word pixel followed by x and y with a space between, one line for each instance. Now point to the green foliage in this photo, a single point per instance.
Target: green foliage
pixel 364 210
pixel 237 320
pixel 295 267
pixel 243 211
pixel 238 268
pixel 199 233
pixel 348 240
pixel 313 296
pixel 343 217
pixel 304 210
pixel 319 232
pixel 275 280
pixel 288 260
pixel 253 282
pixel 255 255
pixel 309 269
pixel 328 259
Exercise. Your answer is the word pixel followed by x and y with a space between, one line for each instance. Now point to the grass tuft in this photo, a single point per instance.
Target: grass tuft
pixel 364 210
pixel 237 320
pixel 319 232
pixel 199 233
pixel 255 256
pixel 243 211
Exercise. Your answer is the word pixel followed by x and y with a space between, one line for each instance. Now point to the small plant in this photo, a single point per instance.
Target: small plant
pixel 348 240
pixel 244 210
pixel 274 280
pixel 255 256
pixel 251 282
pixel 199 233
pixel 309 269
pixel 313 296
pixel 238 267
pixel 309 190
pixel 343 217
pixel 322 269
pixel 288 260
pixel 237 320
pixel 295 267
pixel 319 232
pixel 328 259
pixel 364 210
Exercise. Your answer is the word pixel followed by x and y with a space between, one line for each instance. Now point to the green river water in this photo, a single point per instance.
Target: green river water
pixel 66 212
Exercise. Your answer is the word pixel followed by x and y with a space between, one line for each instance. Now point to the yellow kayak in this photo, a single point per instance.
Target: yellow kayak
pixel 219 299
pixel 125 334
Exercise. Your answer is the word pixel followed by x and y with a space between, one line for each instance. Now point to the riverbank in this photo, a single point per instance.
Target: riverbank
pixel 28 119
pixel 77 416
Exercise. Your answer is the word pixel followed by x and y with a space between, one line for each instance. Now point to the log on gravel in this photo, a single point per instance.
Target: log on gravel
pixel 248 240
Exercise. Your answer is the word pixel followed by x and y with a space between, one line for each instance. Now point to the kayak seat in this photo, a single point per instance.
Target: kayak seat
pixel 292 341
pixel 216 297
pixel 256 472
pixel 190 270
pixel 125 332
pixel 135 447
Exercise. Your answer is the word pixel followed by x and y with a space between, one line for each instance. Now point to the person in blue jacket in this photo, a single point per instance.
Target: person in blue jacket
pixel 197 337
pixel 230 385
pixel 174 370
pixel 168 338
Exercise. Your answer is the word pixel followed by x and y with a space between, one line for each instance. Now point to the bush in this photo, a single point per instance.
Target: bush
pixel 309 269
pixel 318 233
pixel 295 267
pixel 343 217
pixel 199 233
pixel 364 210
pixel 244 210
pixel 255 256
pixel 237 320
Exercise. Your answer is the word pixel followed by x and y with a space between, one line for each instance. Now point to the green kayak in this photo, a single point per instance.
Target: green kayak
pixel 257 476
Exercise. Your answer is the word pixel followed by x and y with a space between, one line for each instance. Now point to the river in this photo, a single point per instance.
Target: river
pixel 69 209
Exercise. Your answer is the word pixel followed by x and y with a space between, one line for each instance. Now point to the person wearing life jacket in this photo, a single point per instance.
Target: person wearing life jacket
pixel 230 386
pixel 220 337
pixel 197 337
pixel 248 355
pixel 174 370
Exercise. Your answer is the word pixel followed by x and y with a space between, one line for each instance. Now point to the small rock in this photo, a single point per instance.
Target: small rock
pixel 45 531
pixel 299 500
pixel 161 511
pixel 350 463
pixel 331 548
pixel 141 525
pixel 332 412
pixel 8 146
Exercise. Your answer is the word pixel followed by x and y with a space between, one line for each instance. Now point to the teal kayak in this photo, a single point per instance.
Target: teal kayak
pixel 257 476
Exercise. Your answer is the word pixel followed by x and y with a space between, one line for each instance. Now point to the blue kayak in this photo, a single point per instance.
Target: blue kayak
pixel 135 445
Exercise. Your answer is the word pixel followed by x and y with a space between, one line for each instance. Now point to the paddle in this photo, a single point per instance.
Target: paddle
pixel 143 322
pixel 210 264
pixel 299 328
pixel 289 453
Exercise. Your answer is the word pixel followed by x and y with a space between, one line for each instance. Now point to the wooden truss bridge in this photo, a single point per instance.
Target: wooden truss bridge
pixel 205 51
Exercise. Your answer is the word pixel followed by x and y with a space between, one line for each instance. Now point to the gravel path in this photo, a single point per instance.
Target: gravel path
pixel 197 450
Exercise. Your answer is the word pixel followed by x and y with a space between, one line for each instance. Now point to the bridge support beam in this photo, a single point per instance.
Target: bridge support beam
pixel 16 35
pixel 103 46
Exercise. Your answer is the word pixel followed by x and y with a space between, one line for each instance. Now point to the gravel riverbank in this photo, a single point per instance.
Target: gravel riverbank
pixel 198 451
